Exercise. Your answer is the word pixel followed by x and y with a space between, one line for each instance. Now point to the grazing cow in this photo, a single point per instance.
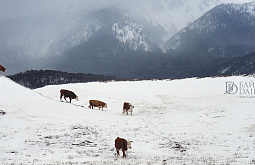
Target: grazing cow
pixel 2 68
pixel 97 103
pixel 127 107
pixel 67 93
pixel 122 144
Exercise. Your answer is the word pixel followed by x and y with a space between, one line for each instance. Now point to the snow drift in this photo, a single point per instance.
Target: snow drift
pixel 188 121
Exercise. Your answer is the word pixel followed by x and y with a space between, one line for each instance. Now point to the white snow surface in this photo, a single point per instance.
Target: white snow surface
pixel 188 121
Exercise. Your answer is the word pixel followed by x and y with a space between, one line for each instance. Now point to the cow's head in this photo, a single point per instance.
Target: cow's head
pixel 105 105
pixel 129 144
pixel 76 98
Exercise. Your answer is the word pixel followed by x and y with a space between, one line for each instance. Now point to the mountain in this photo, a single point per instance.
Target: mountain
pixel 111 50
pixel 123 48
pixel 227 31
pixel 239 65
pixel 36 34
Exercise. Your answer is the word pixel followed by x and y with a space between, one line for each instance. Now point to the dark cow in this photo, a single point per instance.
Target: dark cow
pixel 2 68
pixel 97 103
pixel 127 107
pixel 122 144
pixel 67 93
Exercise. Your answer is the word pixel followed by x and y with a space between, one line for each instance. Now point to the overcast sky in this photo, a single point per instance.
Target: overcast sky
pixel 11 9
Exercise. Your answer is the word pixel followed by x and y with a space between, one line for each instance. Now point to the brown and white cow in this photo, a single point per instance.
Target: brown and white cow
pixel 67 93
pixel 97 103
pixel 2 68
pixel 122 144
pixel 127 107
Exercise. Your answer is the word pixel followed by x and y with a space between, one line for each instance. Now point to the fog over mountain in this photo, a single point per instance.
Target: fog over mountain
pixel 32 33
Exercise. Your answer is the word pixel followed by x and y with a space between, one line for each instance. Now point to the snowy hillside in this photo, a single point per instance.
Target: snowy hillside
pixel 239 65
pixel 189 121
pixel 227 30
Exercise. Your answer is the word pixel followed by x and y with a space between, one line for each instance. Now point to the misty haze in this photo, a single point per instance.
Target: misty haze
pixel 118 37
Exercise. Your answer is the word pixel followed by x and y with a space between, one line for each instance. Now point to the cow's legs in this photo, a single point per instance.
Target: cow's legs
pixel 65 98
pixel 118 152
pixel 91 105
pixel 124 155
pixel 61 95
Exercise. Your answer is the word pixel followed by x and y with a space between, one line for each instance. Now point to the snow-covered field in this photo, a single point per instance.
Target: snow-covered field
pixel 188 121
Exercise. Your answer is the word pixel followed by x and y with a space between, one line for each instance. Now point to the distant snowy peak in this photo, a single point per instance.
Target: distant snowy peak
pixel 245 8
pixel 127 30
pixel 227 29
pixel 131 35
pixel 172 15
pixel 108 21
pixel 210 21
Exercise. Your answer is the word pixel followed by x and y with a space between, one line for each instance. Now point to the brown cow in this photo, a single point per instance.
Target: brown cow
pixel 122 144
pixel 2 68
pixel 67 93
pixel 97 103
pixel 127 107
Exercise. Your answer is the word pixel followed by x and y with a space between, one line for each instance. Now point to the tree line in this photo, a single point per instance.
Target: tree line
pixel 39 78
